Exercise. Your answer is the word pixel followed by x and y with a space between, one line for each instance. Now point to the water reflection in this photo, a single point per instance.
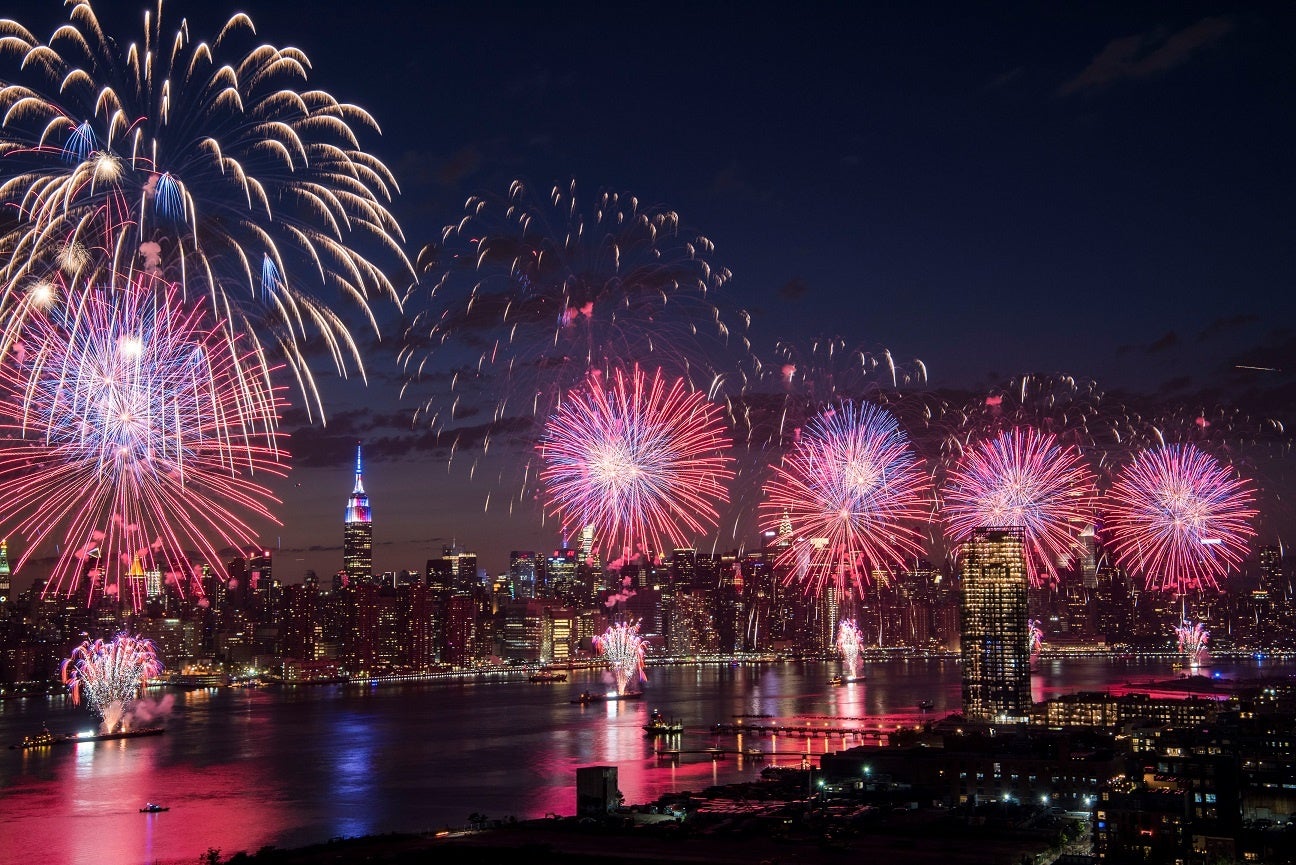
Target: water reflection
pixel 243 769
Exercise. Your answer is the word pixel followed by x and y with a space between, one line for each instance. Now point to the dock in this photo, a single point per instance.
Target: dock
pixel 672 755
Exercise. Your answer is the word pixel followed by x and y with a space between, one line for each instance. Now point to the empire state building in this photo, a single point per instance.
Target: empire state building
pixel 357 537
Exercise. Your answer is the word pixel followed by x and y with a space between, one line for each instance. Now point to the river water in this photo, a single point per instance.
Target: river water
pixel 242 769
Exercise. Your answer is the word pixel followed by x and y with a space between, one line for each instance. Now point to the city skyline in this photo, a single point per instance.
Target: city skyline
pixel 409 408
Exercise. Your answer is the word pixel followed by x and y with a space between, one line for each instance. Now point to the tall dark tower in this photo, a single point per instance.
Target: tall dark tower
pixel 996 635
pixel 357 537
pixel 5 573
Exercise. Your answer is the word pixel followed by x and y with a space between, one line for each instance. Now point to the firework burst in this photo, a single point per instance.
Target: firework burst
pixel 206 162
pixel 131 432
pixel 1036 636
pixel 640 459
pixel 850 644
pixel 1178 518
pixel 109 676
pixel 851 490
pixel 552 288
pixel 623 650
pixel 1023 479
pixel 1192 638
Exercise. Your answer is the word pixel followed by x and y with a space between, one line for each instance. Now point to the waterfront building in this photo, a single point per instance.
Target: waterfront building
pixel 690 628
pixel 357 533
pixel 968 767
pixel 557 626
pixel 597 794
pixel 301 603
pixel 361 650
pixel 995 633
pixel 1095 709
pixel 461 632
pixel 521 630
pixel 422 626
pixel 390 644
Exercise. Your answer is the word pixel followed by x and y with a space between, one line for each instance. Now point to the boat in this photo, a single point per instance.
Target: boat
pixel 547 676
pixel 588 697
pixel 658 725
pixel 46 739
pixel 153 808
pixel 836 681
pixel 43 739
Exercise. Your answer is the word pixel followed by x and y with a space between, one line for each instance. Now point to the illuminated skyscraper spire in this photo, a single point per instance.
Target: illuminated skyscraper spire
pixel 357 538
pixel 359 484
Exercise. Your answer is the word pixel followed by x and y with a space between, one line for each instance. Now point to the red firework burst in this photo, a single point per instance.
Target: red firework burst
pixel 640 459
pixel 1022 479
pixel 851 493
pixel 1178 518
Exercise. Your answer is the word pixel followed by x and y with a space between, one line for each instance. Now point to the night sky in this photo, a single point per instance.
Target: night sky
pixel 1100 190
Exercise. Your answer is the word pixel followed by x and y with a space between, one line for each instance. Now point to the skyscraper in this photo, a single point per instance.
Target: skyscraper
pixel 522 573
pixel 4 571
pixel 996 637
pixel 357 537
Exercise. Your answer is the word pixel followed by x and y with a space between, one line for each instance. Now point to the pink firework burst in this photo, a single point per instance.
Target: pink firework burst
pixel 623 649
pixel 1192 638
pixel 1178 518
pixel 130 431
pixel 852 491
pixel 642 460
pixel 1022 478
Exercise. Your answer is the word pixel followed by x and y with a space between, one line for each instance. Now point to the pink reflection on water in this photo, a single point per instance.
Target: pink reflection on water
pixel 101 798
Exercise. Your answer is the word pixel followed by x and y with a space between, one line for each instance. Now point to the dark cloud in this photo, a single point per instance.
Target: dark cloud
pixel 389 438
pixel 1146 55
pixel 1224 324
pixel 1165 342
pixel 459 166
pixel 794 289
pixel 731 183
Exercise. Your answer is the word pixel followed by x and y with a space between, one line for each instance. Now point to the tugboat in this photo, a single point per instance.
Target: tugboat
pixel 153 808
pixel 658 725
pixel 547 677
pixel 611 696
pixel 43 739
pixel 46 739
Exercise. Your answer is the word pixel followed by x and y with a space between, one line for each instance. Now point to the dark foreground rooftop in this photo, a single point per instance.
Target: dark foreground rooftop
pixel 570 842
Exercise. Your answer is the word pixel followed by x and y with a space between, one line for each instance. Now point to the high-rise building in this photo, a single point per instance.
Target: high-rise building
pixel 1271 569
pixel 357 537
pixel 1088 558
pixel 996 636
pixel 461 567
pixel 561 574
pixel 522 573
pixel 301 602
pixel 5 573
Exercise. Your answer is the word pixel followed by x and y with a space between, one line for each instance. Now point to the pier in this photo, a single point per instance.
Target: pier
pixel 672 755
